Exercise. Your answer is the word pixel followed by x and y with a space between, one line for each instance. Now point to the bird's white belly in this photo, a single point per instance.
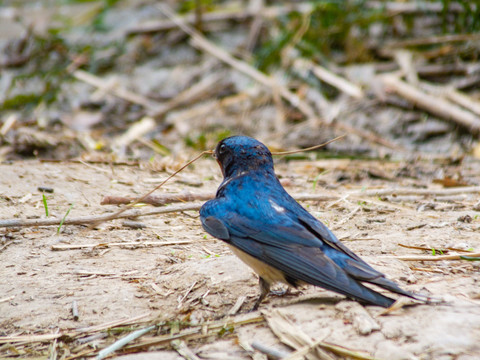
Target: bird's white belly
pixel 268 273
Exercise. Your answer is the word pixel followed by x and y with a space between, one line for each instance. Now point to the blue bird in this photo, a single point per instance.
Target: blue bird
pixel 273 234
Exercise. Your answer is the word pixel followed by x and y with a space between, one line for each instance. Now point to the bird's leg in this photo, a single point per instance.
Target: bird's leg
pixel 264 290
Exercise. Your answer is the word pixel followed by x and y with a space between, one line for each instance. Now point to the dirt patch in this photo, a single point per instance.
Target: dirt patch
pixel 201 281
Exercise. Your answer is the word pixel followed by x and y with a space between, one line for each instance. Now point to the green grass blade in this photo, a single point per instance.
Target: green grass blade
pixel 63 220
pixel 45 205
pixel 470 258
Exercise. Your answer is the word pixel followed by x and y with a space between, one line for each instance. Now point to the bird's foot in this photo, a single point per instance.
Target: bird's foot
pixel 286 292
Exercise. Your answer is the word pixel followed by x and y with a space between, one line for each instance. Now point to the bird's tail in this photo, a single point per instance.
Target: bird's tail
pixel 355 290
pixel 393 287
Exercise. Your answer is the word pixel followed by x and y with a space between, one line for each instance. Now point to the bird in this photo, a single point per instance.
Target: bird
pixel 278 238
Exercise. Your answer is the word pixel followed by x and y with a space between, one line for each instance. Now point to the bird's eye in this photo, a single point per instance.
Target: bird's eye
pixel 222 149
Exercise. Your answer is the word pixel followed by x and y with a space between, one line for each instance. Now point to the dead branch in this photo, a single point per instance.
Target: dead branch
pixel 84 220
pixel 463 100
pixel 433 104
pixel 158 200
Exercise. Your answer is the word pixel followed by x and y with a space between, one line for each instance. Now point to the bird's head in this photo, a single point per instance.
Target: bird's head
pixel 239 154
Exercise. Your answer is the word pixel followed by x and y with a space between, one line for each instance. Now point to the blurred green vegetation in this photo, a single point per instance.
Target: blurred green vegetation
pixel 339 32
pixel 346 27
pixel 206 140
pixel 333 30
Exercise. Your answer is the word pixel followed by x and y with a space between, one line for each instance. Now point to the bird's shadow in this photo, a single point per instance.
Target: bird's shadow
pixel 311 299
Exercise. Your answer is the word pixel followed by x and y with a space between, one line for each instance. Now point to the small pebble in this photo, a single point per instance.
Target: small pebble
pixel 45 189
pixel 476 207
pixel 465 219
pixel 134 224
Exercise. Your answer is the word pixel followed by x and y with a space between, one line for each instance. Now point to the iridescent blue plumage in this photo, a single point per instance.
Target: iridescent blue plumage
pixel 275 235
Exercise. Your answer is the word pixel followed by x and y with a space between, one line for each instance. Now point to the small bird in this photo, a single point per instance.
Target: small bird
pixel 273 234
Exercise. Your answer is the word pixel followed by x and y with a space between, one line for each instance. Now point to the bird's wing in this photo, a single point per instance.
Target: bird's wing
pixel 290 248
pixel 350 261
pixel 347 259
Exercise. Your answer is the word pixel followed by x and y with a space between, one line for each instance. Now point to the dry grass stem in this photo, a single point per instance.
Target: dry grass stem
pixel 136 244
pixel 140 199
pixel 238 304
pixel 291 335
pixel 329 77
pixel 205 88
pixel 182 348
pixel 294 337
pixel 189 290
pixel 309 148
pixel 269 351
pixel 198 332
pixel 122 342
pixel 435 258
pixel 115 90
pixel 75 310
pixel 446 250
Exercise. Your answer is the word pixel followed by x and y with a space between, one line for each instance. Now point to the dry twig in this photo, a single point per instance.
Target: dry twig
pixel 181 347
pixel 433 104
pixel 75 333
pixel 107 245
pixel 158 200
pixel 198 332
pixel 294 337
pixel 269 351
pixel 435 258
pixel 441 251
pixel 335 80
pixel 123 341
pixel 95 219
pixel 115 90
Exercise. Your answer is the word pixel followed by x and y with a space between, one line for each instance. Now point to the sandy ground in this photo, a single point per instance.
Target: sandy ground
pixel 202 280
